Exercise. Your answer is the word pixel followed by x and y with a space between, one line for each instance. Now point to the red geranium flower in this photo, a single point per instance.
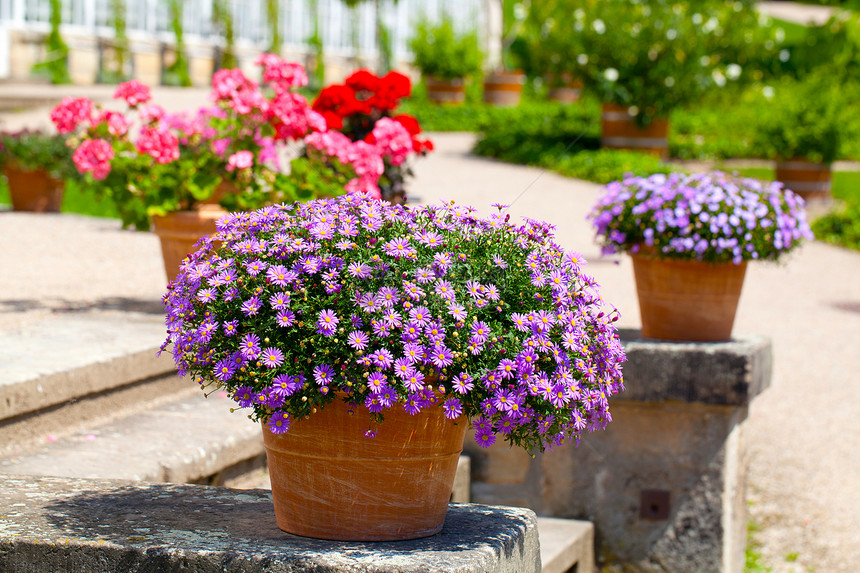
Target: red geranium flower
pixel 363 80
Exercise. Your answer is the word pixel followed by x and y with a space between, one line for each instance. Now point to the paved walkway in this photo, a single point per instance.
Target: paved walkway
pixel 803 432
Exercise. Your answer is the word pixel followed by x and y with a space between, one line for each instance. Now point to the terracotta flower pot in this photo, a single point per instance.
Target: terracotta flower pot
pixel 503 88
pixel 809 180
pixel 446 91
pixel 33 190
pixel 687 300
pixel 179 232
pixel 329 481
pixel 619 131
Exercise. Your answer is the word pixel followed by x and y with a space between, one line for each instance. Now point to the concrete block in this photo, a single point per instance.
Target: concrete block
pixel 665 483
pixel 565 543
pixel 54 524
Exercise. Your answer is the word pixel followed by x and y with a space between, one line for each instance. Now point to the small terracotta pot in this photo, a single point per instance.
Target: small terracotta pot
pixel 329 481
pixel 503 88
pixel 180 231
pixel 619 131
pixel 687 300
pixel 446 91
pixel 33 190
pixel 809 180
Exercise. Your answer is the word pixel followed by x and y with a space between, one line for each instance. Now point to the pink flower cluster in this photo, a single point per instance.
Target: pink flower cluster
pixel 392 140
pixel 71 113
pixel 94 156
pixel 281 75
pixel 240 160
pixel 133 92
pixel 365 159
pixel 160 144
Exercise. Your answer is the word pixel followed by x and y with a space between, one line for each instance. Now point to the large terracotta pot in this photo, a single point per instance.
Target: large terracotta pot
pixel 687 300
pixel 446 91
pixel 809 180
pixel 179 232
pixel 33 190
pixel 619 131
pixel 503 88
pixel 329 481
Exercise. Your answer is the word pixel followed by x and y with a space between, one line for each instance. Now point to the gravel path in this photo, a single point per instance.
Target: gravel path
pixel 803 432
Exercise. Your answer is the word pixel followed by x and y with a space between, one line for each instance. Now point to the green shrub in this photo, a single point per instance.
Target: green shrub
pixel 841 227
pixel 607 165
pixel 440 51
pixel 804 119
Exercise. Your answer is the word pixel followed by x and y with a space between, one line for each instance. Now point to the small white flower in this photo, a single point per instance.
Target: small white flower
pixel 610 74
pixel 582 59
pixel 598 26
pixel 671 34
pixel 784 55
pixel 733 71
pixel 719 78
pixel 767 91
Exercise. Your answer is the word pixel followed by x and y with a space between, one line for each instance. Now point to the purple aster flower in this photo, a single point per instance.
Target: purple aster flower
pixel 387 297
pixel 285 318
pixel 359 270
pixel 411 332
pixel 367 302
pixel 485 437
pixel 507 369
pixel 403 367
pixel 279 301
pixel 323 374
pixel 274 400
pixel 285 385
pixel 272 357
pixel 244 396
pixel 521 321
pixel 374 404
pixel 382 358
pixel 230 327
pixel 413 352
pixel 412 290
pixel 480 331
pixel 393 319
pixel 444 290
pixel 230 294
pixel 500 262
pixel 327 322
pixel 251 306
pixel 255 267
pixel 380 329
pixel 453 408
pixel 224 369
pixel 458 311
pixel 435 332
pixel 463 383
pixel 415 402
pixel 398 248
pixel 420 315
pixel 250 346
pixel 279 422
pixel 442 261
pixel 206 295
pixel 387 397
pixel 441 356
pixel 309 264
pixel 377 382
pixel 357 340
pixel 279 275
pixel 424 275
pixel 475 289
pixel 431 238
pixel 414 382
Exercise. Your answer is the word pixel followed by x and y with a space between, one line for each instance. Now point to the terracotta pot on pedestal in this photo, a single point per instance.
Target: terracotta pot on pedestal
pixel 451 91
pixel 503 88
pixel 809 180
pixel 619 131
pixel 687 300
pixel 329 481
pixel 33 190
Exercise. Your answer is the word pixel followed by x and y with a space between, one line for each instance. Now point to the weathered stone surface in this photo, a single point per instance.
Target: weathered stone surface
pixel 721 373
pixel 44 365
pixel 51 524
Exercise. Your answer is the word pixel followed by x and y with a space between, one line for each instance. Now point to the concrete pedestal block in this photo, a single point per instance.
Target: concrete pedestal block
pixel 665 484
pixel 62 524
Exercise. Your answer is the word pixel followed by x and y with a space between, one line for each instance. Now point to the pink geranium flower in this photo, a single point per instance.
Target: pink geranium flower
pixel 240 160
pixel 133 92
pixel 70 113
pixel 94 156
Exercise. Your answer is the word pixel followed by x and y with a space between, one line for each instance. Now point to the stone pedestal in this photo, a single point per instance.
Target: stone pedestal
pixel 665 484
pixel 63 524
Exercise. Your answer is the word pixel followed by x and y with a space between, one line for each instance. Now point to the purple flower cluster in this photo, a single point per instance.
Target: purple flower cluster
pixel 711 217
pixel 293 306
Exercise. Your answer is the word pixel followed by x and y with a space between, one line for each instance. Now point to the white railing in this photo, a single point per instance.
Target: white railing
pixel 150 19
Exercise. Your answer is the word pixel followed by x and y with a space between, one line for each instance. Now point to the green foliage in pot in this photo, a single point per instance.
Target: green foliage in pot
pixel 805 119
pixel 177 73
pixel 440 51
pixel 32 150
pixel 648 56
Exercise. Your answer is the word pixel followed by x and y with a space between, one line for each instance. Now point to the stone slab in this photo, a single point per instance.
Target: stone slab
pixel 51 361
pixel 53 524
pixel 182 440
pixel 565 543
pixel 728 373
